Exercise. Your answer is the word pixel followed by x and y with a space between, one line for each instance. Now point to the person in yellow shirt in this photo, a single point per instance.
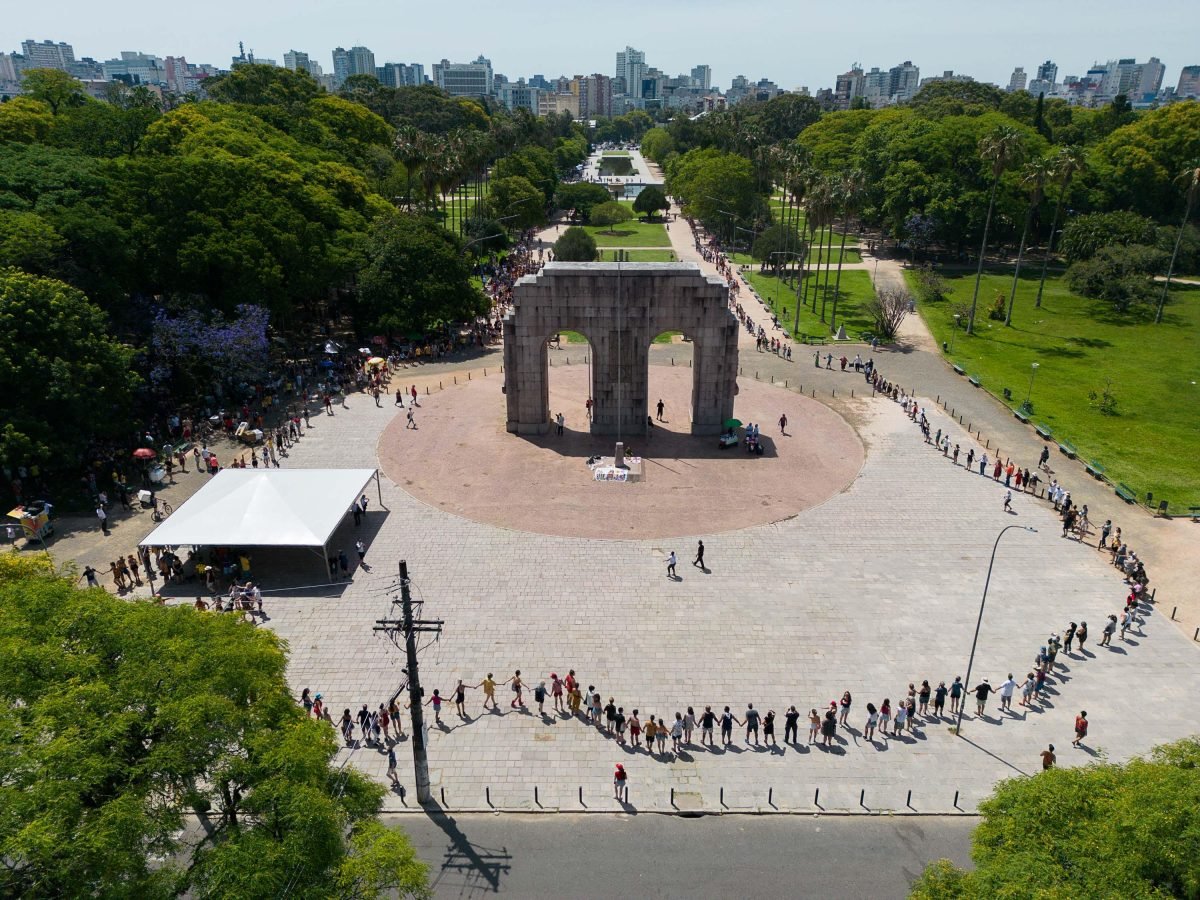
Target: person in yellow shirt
pixel 489 690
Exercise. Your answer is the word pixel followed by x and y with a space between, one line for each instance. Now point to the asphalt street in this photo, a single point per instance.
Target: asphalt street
pixel 651 856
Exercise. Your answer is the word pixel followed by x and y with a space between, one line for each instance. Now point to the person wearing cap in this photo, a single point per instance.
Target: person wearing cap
pixel 621 784
pixel 981 694
pixel 318 709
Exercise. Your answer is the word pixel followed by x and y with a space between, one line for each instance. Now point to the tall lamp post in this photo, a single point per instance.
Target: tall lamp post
pixel 979 621
pixel 1027 405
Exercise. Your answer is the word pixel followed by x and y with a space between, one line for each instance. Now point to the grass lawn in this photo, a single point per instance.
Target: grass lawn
pixel 855 292
pixel 1079 345
pixel 640 256
pixel 574 337
pixel 634 233
pixel 615 153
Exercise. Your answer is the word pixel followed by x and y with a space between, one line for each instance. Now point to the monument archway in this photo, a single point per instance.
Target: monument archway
pixel 620 307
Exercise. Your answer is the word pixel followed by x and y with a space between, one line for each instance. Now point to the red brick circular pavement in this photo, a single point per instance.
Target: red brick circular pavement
pixel 461 460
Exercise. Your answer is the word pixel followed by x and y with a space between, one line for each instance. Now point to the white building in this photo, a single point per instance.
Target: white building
pixel 473 79
pixel 47 55
pixel 1016 81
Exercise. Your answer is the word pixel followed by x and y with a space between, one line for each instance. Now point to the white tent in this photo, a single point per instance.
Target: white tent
pixel 265 508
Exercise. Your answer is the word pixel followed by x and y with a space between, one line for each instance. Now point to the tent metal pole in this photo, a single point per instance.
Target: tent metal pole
pixel 325 559
pixel 379 488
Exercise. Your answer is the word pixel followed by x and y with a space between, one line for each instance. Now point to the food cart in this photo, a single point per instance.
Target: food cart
pixel 34 519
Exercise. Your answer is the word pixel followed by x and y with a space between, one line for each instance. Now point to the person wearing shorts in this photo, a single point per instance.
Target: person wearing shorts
pixel 727 720
pixel 707 719
pixel 751 722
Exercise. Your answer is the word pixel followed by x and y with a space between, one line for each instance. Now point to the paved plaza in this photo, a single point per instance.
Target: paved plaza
pixel 877 587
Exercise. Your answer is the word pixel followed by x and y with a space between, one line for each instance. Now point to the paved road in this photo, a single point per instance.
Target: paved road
pixel 664 856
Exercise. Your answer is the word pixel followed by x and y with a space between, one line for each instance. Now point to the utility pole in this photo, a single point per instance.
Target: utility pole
pixel 410 627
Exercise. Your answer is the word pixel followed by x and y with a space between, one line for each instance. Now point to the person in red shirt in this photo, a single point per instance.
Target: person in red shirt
pixel 1081 728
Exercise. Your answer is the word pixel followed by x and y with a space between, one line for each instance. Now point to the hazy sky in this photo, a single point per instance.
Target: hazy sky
pixel 792 43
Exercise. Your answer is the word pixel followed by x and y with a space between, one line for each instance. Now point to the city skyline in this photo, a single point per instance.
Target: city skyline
pixel 674 36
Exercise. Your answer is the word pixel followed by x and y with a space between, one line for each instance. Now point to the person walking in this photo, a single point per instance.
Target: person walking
pixel 460 699
pixel 671 560
pixel 872 719
pixel 517 688
pixel 1110 628
pixel 410 422
pixel 539 697
pixel 844 714
pixel 769 728
pixel 885 716
pixel 783 424
pixel 1008 501
pixel 343 563
pixel 621 784
pixel 1081 728
pixel 559 421
pixel 659 410
pixel 391 769
pixel 103 517
pixel 361 549
pixel 676 732
pixel 699 560
pixel 829 728
pixel 1069 637
pixel 489 691
pixel 1048 758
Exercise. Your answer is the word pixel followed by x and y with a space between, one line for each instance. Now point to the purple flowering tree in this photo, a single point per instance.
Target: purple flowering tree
pixel 193 354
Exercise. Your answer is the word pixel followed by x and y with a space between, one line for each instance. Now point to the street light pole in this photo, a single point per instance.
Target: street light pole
pixel 1033 367
pixel 979 622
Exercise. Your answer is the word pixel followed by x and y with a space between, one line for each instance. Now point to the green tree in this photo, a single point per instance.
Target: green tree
pixel 1033 178
pixel 715 186
pixel 517 201
pixel 29 242
pixel 575 245
pixel 1120 274
pixel 262 85
pixel 185 710
pixel 54 87
pixel 657 144
pixel 416 277
pixel 1001 149
pixel 650 201
pixel 1190 177
pixel 610 214
pixel 1085 236
pixel 65 380
pixel 847 195
pixel 1067 161
pixel 25 120
pixel 581 197
pixel 1102 830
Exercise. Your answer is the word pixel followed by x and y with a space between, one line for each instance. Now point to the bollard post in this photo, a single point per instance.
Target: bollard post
pixel 1152 593
pixel 722 796
pixel 485 372
pixel 816 796
pixel 672 796
pixel 581 803
pixel 956 799
pixel 536 801
pixel 989 444
pixel 908 802
pixel 672 360
pixel 1174 609
pixel 443 793
pixel 770 796
pixel 851 393
pixel 785 382
pixel 862 796
pixel 938 401
pixel 1196 636
pixel 487 794
pixel 439 388
pixel 456 379
pixel 833 393
pixel 469 374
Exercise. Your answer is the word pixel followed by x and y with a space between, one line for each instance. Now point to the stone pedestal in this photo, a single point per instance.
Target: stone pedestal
pixel 619 455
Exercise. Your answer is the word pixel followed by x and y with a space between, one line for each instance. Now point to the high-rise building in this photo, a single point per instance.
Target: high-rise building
pixel 876 87
pixel 355 61
pixel 1016 81
pixel 702 78
pixel 472 79
pixel 519 95
pixel 848 87
pixel 299 61
pixel 1189 83
pixel 905 81
pixel 135 67
pixel 401 74
pixel 47 55
pixel 1048 71
pixel 8 68
pixel 595 96
pixel 631 65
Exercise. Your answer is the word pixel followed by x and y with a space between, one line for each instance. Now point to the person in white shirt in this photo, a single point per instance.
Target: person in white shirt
pixel 1006 692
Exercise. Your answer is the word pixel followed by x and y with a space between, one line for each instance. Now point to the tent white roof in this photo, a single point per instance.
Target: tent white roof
pixel 264 508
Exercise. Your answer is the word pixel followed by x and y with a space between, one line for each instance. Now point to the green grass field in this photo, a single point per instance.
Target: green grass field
pixel 855 292
pixel 624 153
pixel 574 337
pixel 640 256
pixel 634 233
pixel 1080 345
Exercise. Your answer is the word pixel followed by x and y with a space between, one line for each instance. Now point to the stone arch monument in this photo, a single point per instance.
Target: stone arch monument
pixel 620 308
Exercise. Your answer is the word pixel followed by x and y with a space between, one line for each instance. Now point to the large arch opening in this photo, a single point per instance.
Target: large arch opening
pixel 568 383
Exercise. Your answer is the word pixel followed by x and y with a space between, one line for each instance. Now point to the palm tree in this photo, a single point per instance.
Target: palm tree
pixel 1003 148
pixel 1067 162
pixel 1191 193
pixel 1033 179
pixel 409 147
pixel 849 195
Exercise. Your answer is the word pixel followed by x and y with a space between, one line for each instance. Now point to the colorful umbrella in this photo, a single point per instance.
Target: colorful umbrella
pixel 733 423
pixel 144 453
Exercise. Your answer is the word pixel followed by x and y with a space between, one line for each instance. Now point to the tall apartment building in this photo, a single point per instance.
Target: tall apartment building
pixel 299 61
pixel 8 68
pixel 1016 81
pixel 401 74
pixel 355 61
pixel 47 55
pixel 519 95
pixel 904 82
pixel 551 102
pixel 464 79
pixel 1189 83
pixel 702 78
pixel 135 67
pixel 1048 71
pixel 595 96
pixel 848 87
pixel 631 65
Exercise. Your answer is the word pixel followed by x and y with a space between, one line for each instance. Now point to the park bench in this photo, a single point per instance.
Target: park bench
pixel 1020 415
pixel 974 379
pixel 1125 492
pixel 1068 448
pixel 1043 432
pixel 1095 469
pixel 959 369
pixel 1194 512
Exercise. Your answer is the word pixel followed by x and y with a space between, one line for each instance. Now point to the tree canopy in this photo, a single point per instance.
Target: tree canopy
pixel 118 718
pixel 575 245
pixel 650 201
pixel 1103 830
pixel 610 214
